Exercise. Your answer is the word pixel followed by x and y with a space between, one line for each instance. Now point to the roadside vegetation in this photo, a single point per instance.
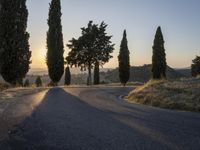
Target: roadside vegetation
pixel 181 94
pixel 3 86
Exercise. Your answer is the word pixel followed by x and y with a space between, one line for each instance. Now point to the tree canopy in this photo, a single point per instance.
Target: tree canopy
pixel 94 45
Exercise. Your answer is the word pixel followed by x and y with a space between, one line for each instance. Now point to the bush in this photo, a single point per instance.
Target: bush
pixel 195 67
pixel 3 86
pixel 26 83
pixel 38 81
pixel 51 84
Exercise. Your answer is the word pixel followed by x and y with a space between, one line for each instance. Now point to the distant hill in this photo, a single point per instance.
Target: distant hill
pixel 143 74
pixel 185 71
pixel 137 74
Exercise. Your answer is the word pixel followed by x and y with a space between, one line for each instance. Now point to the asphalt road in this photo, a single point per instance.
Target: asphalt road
pixel 97 119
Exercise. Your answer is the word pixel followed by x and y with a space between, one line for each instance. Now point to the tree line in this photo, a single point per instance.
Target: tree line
pixel 89 52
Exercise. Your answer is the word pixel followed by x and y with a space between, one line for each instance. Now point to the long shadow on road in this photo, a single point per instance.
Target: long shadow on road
pixel 65 122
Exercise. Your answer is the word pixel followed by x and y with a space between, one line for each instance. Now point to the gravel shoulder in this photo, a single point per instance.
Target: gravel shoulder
pixel 15 105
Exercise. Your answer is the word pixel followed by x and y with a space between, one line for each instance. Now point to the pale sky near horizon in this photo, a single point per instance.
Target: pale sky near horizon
pixel 179 19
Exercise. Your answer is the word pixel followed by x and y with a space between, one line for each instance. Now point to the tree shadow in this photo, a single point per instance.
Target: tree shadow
pixel 65 122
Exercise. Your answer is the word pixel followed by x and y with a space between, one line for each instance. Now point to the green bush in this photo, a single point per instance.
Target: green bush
pixel 38 81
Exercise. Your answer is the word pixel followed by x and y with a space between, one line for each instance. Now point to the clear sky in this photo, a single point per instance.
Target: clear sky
pixel 179 19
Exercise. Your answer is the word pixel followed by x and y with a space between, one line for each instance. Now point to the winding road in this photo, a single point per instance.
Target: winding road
pixel 97 119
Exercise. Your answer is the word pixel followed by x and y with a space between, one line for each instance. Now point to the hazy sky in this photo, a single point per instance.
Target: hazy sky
pixel 179 19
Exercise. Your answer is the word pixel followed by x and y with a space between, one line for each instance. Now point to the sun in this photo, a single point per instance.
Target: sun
pixel 41 57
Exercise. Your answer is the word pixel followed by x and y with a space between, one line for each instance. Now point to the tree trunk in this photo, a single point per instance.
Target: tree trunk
pixel 89 80
pixel 96 74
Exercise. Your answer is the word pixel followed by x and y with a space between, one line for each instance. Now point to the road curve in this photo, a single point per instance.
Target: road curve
pixel 97 119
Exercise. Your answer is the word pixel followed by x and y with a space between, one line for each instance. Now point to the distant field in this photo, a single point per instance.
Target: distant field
pixel 181 94
pixel 139 74
pixel 40 71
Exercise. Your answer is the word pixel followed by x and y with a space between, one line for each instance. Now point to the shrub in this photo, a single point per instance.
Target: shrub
pixel 195 67
pixel 38 81
pixel 3 86
pixel 26 83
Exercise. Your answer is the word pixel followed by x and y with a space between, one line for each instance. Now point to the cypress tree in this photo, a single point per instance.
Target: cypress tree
pixel 14 45
pixel 55 59
pixel 67 76
pixel 159 64
pixel 96 73
pixel 124 62
pixel 1 30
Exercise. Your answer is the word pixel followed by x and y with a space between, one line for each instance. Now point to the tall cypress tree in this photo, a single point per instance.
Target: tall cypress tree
pixel 67 76
pixel 124 61
pixel 14 43
pixel 159 64
pixel 96 73
pixel 2 26
pixel 55 59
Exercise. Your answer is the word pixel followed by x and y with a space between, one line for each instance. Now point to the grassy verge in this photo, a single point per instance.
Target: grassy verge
pixel 3 87
pixel 182 94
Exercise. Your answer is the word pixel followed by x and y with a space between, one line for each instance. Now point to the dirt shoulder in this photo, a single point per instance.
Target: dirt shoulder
pixel 15 105
pixel 182 94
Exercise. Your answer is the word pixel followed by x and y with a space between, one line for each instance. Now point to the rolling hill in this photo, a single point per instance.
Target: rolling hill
pixel 143 74
pixel 137 74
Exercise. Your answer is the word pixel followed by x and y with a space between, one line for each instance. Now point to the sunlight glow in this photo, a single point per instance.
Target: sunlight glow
pixel 42 53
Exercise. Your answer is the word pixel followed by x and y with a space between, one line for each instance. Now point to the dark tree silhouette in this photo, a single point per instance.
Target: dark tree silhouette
pixel 55 59
pixel 195 67
pixel 38 81
pixel 124 62
pixel 159 64
pixel 92 46
pixel 96 73
pixel 67 76
pixel 26 83
pixel 14 45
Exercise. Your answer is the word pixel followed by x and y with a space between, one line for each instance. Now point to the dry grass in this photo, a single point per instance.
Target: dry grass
pixel 3 86
pixel 182 94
